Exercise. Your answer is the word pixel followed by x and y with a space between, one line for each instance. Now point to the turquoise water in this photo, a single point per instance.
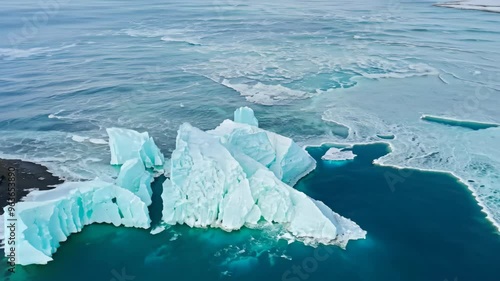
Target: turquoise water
pixel 426 228
pixel 336 71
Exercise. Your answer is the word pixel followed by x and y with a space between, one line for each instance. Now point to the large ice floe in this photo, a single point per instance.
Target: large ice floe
pixel 46 218
pixel 240 175
pixel 233 176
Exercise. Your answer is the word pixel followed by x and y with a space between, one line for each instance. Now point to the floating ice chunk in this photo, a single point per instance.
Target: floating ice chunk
pixel 288 161
pixel 157 230
pixel 128 144
pixel 335 154
pixel 134 177
pixel 47 218
pixel 216 183
pixel 245 115
pixel 78 138
pixel 207 186
pixel 98 141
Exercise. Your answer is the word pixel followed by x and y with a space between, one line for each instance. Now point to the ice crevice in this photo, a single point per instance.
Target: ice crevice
pixel 236 175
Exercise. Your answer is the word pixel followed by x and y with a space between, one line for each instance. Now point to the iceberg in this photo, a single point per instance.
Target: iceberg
pixel 235 175
pixel 335 154
pixel 207 186
pixel 288 161
pixel 245 115
pixel 128 144
pixel 47 218
pixel 134 177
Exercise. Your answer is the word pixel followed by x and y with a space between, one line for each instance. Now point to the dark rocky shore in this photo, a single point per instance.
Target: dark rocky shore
pixel 27 176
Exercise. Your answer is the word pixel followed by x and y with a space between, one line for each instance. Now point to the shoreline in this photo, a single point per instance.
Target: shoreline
pixel 29 176
pixel 379 162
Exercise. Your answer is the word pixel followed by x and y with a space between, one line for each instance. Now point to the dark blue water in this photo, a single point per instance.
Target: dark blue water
pixel 424 227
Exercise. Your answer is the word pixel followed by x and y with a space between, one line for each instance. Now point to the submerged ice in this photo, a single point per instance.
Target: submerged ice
pixel 237 175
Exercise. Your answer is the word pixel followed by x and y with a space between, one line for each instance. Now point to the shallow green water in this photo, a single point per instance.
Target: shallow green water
pixel 426 226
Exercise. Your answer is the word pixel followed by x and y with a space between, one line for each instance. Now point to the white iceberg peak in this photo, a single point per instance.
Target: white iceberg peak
pixel 128 144
pixel 245 115
pixel 235 176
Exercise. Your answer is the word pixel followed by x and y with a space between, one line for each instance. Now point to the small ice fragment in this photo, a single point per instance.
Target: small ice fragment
pixel 245 115
pixel 98 141
pixel 157 230
pixel 79 138
pixel 335 154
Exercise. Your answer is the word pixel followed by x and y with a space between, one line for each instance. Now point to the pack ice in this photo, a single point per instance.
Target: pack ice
pixel 47 218
pixel 240 175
